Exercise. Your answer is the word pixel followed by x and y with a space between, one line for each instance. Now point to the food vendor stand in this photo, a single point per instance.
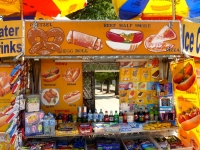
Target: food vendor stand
pixel 62 48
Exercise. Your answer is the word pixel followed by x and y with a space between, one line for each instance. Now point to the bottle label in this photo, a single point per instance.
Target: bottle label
pixel 89 117
pixel 120 119
pixel 100 117
pixel 130 118
pixel 111 119
pixel 95 118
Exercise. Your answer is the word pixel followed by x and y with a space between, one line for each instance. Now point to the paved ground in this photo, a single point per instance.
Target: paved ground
pixel 106 101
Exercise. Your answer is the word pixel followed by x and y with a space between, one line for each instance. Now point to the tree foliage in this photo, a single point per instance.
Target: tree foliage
pixel 96 10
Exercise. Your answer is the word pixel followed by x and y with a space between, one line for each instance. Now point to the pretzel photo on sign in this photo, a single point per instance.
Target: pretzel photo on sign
pixel 44 46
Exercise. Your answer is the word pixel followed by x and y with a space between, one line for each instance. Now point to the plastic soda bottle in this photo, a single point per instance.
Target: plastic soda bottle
pixel 90 116
pixel 101 116
pixel 116 116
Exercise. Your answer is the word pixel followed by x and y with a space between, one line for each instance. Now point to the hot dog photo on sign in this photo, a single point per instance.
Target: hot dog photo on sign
pixel 51 74
pixel 124 40
pixel 189 119
pixel 185 77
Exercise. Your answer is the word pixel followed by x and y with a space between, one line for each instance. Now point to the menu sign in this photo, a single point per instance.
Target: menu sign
pixel 138 82
pixel 61 86
pixel 186 94
pixel 102 38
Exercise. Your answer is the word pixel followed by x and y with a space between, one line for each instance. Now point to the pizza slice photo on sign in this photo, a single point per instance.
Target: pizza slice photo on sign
pixel 161 41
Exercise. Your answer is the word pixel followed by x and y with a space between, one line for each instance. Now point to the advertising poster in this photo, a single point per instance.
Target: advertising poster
pixel 5 95
pixel 44 38
pixel 186 95
pixel 61 86
pixel 138 81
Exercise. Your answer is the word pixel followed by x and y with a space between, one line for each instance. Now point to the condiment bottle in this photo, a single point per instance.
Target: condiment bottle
pixel 125 117
pixel 106 117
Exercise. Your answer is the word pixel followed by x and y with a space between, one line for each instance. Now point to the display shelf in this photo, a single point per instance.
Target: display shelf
pixel 134 131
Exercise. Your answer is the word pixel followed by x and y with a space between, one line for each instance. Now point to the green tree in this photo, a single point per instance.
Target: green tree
pixel 95 10
pixel 100 77
pixel 107 77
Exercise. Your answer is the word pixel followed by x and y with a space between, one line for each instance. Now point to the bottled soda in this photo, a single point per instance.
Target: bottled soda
pixel 90 116
pixel 106 117
pixel 120 116
pixel 116 117
pixel 101 116
pixel 95 116
pixel 136 117
pixel 125 117
pixel 146 115
pixel 111 117
pixel 156 113
pixel 141 116
pixel 151 114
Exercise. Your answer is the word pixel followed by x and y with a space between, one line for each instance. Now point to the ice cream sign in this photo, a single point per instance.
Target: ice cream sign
pixel 191 38
pixel 10 38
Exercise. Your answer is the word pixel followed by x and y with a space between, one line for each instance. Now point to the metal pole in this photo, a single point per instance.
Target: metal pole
pixel 173 10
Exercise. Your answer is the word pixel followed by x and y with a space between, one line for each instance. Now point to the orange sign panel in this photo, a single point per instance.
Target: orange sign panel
pixel 186 93
pixel 102 38
pixel 61 86
pixel 5 96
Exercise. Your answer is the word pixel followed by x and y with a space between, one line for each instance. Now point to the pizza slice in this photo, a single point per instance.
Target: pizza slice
pixel 158 46
pixel 165 34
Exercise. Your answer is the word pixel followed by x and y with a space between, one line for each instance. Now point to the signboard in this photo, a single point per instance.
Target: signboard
pixel 191 39
pixel 138 81
pixel 102 38
pixel 5 96
pixel 187 103
pixel 10 38
pixel 61 84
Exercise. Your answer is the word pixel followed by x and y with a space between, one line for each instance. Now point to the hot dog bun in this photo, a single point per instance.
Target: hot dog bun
pixel 72 97
pixel 191 123
pixel 123 47
pixel 51 78
pixel 185 85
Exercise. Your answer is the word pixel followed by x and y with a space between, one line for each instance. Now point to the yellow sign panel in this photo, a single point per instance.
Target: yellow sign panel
pixel 61 86
pixel 10 38
pixel 102 38
pixel 186 94
pixel 5 96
